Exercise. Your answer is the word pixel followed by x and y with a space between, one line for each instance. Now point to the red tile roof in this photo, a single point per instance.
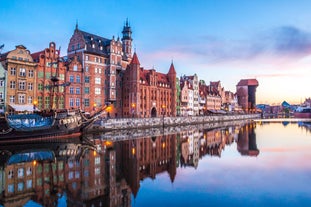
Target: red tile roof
pixel 135 59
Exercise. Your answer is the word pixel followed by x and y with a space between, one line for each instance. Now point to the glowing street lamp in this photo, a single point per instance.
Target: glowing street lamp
pixel 35 104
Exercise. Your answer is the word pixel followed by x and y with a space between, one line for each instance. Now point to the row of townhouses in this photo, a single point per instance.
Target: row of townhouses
pixel 99 71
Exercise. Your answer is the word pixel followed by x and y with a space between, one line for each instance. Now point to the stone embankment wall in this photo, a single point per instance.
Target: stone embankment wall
pixel 140 123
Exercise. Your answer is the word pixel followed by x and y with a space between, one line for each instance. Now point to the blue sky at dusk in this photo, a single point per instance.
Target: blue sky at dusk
pixel 217 40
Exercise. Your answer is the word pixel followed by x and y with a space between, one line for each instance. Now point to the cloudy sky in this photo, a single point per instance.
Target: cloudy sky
pixel 224 40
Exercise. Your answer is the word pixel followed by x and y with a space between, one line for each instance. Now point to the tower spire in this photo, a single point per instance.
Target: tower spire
pixel 76 24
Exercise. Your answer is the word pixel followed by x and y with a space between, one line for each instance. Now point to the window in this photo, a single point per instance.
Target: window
pixel 1 95
pixel 72 47
pixel 71 78
pixel 75 68
pixel 11 188
pixel 87 79
pixel 97 91
pixel 71 103
pixel 71 90
pixel 78 46
pixel 30 73
pixel 78 79
pixel 86 68
pixel 1 83
pixel 21 98
pixel 30 87
pixel 12 99
pixel 29 99
pixel 77 90
pixel 40 74
pixel 97 80
pixel 70 175
pixel 86 90
pixel 77 102
pixel 61 76
pixel 20 186
pixel 20 172
pixel 29 184
pixel 47 102
pixel 28 171
pixel 22 85
pixel 13 71
pixel 48 75
pixel 22 72
pixel 40 87
pixel 86 102
pixel 97 160
pixel 12 84
pixel 86 57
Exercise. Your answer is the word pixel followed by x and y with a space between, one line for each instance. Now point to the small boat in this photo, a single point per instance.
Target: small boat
pixel 303 112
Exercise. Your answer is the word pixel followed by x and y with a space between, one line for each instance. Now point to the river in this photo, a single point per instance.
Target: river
pixel 243 163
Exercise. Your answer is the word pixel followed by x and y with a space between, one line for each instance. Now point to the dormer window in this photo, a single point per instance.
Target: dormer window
pixel 93 45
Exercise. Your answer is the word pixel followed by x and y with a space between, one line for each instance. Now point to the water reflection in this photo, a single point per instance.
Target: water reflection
pixel 108 169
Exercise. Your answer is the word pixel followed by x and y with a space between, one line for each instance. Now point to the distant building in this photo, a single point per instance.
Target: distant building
pixel 147 93
pixel 246 93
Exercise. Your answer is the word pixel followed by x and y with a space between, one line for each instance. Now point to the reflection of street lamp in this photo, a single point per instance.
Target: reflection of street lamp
pixel 94 106
pixel 133 109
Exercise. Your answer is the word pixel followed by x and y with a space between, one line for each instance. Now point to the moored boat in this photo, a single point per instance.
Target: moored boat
pixel 41 124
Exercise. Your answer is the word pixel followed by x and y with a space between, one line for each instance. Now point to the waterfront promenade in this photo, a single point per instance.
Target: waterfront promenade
pixel 141 123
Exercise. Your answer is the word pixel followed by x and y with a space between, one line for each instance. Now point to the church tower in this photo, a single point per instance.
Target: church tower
pixel 127 40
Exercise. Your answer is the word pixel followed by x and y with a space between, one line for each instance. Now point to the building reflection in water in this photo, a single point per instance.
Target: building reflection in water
pixel 101 172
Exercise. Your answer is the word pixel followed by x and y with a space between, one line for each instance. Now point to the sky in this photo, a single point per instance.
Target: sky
pixel 219 40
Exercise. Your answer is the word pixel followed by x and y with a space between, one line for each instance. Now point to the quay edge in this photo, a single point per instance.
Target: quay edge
pixel 141 123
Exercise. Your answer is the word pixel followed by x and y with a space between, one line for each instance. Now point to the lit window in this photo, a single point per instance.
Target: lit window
pixel 97 80
pixel 97 91
pixel 22 72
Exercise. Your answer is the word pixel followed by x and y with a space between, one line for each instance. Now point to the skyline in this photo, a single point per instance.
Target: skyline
pixel 214 39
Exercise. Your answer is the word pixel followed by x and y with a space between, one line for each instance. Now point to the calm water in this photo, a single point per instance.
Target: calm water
pixel 243 164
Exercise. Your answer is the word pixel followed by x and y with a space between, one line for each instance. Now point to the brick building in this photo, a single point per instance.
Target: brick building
pixel 51 71
pixel 77 83
pixel 102 62
pixel 246 93
pixel 147 93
